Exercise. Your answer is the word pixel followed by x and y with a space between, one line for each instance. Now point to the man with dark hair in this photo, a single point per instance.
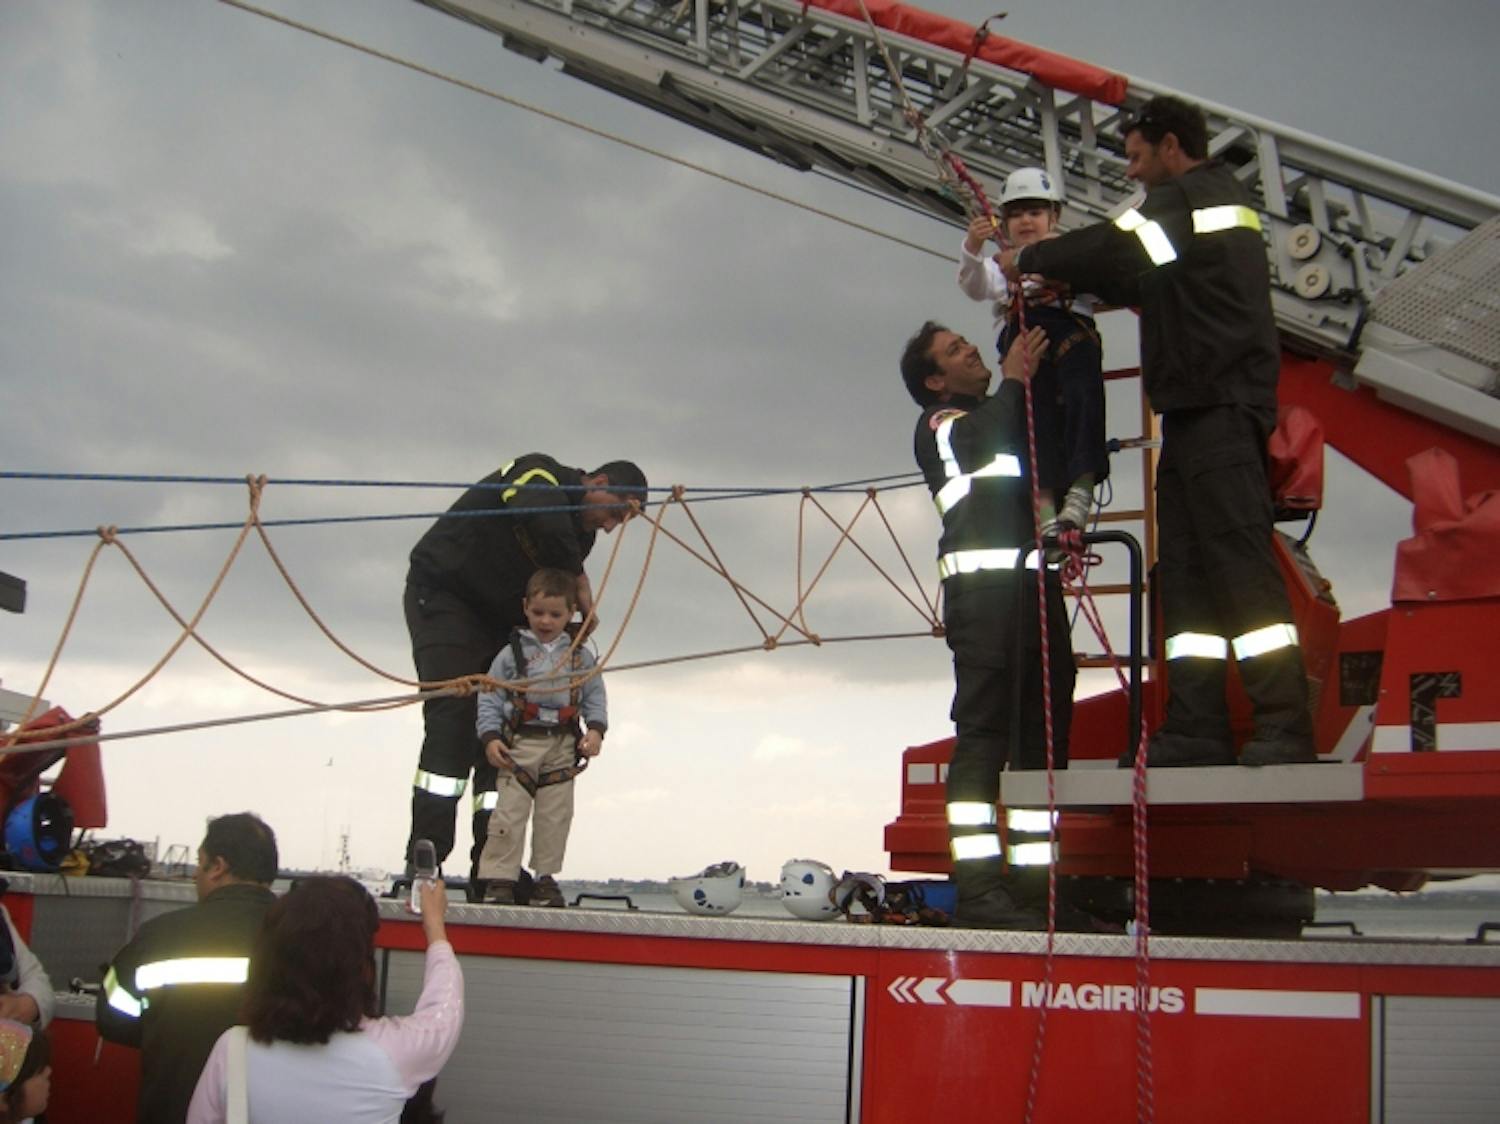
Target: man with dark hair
pixel 463 597
pixel 973 452
pixel 1191 257
pixel 178 984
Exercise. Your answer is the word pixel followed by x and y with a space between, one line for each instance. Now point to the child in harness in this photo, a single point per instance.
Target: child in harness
pixel 540 735
pixel 1068 388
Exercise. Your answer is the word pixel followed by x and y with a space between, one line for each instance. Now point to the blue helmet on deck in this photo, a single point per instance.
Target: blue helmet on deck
pixel 39 832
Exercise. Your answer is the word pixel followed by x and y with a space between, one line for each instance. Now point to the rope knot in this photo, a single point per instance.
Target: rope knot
pixel 939 630
pixel 257 486
pixel 769 644
pixel 678 492
pixel 108 534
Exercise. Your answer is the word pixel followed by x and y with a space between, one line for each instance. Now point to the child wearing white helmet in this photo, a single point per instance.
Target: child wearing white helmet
pixel 1068 389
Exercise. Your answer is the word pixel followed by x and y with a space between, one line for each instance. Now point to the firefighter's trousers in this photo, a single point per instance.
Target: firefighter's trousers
pixel 448 640
pixel 980 624
pixel 1218 577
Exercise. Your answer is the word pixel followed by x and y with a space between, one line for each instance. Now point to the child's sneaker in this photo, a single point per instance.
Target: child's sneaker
pixel 501 891
pixel 545 893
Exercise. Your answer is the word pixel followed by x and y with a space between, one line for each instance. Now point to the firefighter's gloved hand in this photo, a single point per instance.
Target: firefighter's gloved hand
pixel 1076 506
pixel 1051 529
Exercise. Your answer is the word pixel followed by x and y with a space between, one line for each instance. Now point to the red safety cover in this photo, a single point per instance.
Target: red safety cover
pixel 1452 556
pixel 1296 455
pixel 1053 69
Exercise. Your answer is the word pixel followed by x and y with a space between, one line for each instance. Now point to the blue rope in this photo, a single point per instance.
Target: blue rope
pixel 313 482
pixel 848 487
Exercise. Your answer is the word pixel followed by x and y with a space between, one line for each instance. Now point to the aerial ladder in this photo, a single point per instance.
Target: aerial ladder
pixel 1386 289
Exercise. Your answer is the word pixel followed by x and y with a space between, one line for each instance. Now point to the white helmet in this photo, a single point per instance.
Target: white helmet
pixel 1030 183
pixel 715 889
pixel 807 889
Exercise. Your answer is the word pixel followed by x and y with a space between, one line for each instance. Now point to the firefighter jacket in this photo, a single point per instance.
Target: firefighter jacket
pixel 1191 257
pixel 973 455
pixel 176 987
pixel 485 559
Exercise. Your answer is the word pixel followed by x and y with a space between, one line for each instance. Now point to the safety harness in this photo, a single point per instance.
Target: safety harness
pixel 887 903
pixel 527 713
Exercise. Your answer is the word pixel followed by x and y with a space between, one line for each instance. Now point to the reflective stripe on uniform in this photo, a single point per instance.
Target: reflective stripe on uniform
pixel 1031 820
pixel 986 846
pixel 959 482
pixel 1200 645
pixel 119 998
pixel 1153 238
pixel 972 561
pixel 526 478
pixel 971 813
pixel 439 785
pixel 193 970
pixel 1230 216
pixel 1031 854
pixel 1263 640
pixel 486 801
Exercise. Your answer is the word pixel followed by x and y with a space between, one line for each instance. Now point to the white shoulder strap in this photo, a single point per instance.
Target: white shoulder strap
pixel 238 1092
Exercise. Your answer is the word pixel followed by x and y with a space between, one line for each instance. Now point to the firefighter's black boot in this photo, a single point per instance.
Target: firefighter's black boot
pixel 1196 729
pixel 1167 749
pixel 1277 685
pixel 1271 746
pixel 987 898
pixel 996 908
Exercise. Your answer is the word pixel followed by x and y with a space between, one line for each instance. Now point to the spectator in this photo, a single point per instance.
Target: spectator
pixel 25 991
pixel 25 1072
pixel 313 1049
pixel 178 985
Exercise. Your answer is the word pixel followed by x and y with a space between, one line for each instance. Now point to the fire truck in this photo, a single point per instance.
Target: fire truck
pixel 1386 288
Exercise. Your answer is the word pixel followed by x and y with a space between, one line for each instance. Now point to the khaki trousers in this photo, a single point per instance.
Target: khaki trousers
pixel 551 813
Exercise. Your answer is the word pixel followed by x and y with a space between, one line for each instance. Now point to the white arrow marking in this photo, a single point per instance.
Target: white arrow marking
pixel 980 993
pixel 930 990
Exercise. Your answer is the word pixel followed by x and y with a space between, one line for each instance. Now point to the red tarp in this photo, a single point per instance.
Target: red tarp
pixel 1052 69
pixel 1296 455
pixel 1455 553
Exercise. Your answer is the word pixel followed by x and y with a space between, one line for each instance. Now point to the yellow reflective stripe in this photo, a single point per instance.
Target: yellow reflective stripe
pixel 486 801
pixel 1230 216
pixel 120 999
pixel 1153 238
pixel 193 970
pixel 986 846
pixel 959 482
pixel 1198 645
pixel 1030 820
pixel 1031 854
pixel 971 813
pixel 1263 640
pixel 972 561
pixel 439 785
pixel 525 478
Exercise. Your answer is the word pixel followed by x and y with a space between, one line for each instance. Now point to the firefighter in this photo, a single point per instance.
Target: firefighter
pixel 1191 257
pixel 973 451
pixel 177 985
pixel 464 591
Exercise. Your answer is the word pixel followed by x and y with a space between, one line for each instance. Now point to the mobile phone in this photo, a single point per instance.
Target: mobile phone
pixel 424 870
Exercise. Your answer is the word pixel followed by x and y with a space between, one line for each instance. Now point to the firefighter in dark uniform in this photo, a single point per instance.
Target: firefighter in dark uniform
pixel 1191 257
pixel 178 984
pixel 463 597
pixel 973 452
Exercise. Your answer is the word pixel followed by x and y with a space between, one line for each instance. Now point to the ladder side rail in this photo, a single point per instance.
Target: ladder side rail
pixel 810 90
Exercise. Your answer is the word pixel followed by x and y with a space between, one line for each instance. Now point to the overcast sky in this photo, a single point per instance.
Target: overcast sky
pixel 233 248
